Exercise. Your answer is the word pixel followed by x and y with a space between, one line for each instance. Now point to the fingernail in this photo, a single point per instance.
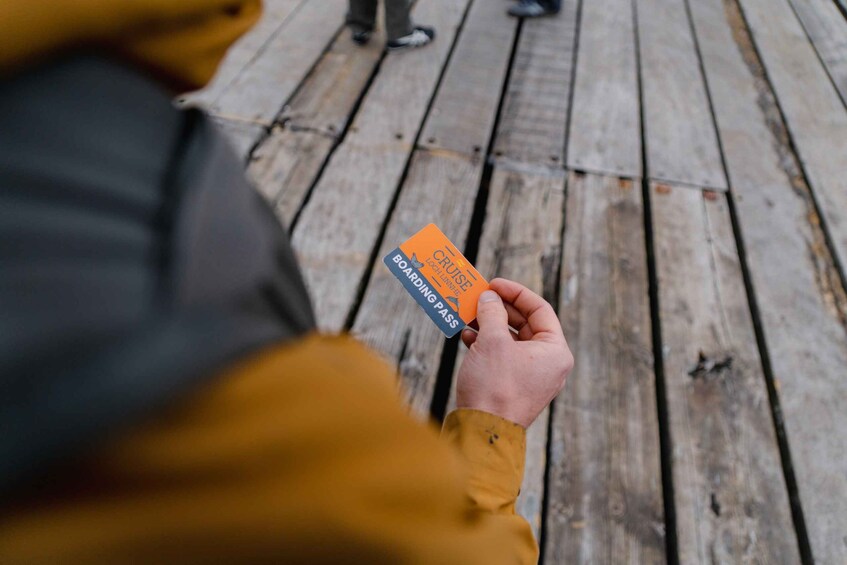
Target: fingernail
pixel 489 296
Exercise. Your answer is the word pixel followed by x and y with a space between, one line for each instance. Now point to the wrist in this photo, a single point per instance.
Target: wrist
pixel 501 406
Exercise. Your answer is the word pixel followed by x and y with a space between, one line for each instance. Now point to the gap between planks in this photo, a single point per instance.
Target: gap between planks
pixel 521 241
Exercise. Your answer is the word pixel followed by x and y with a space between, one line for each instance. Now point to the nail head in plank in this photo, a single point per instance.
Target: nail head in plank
pixel 790 272
pixel 680 136
pixel 605 133
pixel 730 495
pixel 605 488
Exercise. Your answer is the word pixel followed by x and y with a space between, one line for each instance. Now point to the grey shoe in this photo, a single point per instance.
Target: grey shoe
pixel 530 9
pixel 419 37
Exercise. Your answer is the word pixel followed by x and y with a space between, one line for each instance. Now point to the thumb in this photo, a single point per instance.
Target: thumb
pixel 491 316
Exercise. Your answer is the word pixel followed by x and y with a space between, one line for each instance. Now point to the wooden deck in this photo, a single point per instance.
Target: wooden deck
pixel 671 174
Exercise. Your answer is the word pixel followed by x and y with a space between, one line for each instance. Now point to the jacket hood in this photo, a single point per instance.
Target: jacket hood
pixel 180 42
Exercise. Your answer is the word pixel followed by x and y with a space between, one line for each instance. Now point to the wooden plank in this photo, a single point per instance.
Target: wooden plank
pixel 325 100
pixel 274 17
pixel 729 491
pixel 605 491
pixel 681 142
pixel 340 225
pixel 521 240
pixel 796 286
pixel 268 80
pixel 605 133
pixel 814 113
pixel 827 29
pixel 286 164
pixel 752 162
pixel 465 106
pixel 535 110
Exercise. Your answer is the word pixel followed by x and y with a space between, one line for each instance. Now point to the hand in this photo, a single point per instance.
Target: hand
pixel 513 376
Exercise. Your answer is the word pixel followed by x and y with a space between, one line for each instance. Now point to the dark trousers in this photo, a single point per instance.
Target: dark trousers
pixel 362 17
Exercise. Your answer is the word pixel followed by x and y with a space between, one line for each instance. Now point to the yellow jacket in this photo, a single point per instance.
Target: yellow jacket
pixel 181 42
pixel 302 453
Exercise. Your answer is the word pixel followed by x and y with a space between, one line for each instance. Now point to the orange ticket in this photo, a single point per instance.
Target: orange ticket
pixel 439 278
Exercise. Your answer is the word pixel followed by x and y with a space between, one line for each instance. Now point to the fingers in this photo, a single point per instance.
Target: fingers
pixel 491 316
pixel 468 337
pixel 539 315
pixel 518 322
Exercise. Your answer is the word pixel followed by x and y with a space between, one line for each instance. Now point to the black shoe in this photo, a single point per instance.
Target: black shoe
pixel 361 37
pixel 530 9
pixel 419 37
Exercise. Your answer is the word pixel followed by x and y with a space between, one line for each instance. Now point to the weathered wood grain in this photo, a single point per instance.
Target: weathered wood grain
pixel 324 101
pixel 814 113
pixel 605 133
pixel 521 241
pixel 680 137
pixel 339 227
pixel 799 294
pixel 740 95
pixel 285 165
pixel 605 488
pixel 827 29
pixel 535 110
pixel 270 78
pixel 441 188
pixel 274 16
pixel 463 112
pixel 729 491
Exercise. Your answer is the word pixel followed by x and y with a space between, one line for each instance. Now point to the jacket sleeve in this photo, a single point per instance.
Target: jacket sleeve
pixel 304 452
